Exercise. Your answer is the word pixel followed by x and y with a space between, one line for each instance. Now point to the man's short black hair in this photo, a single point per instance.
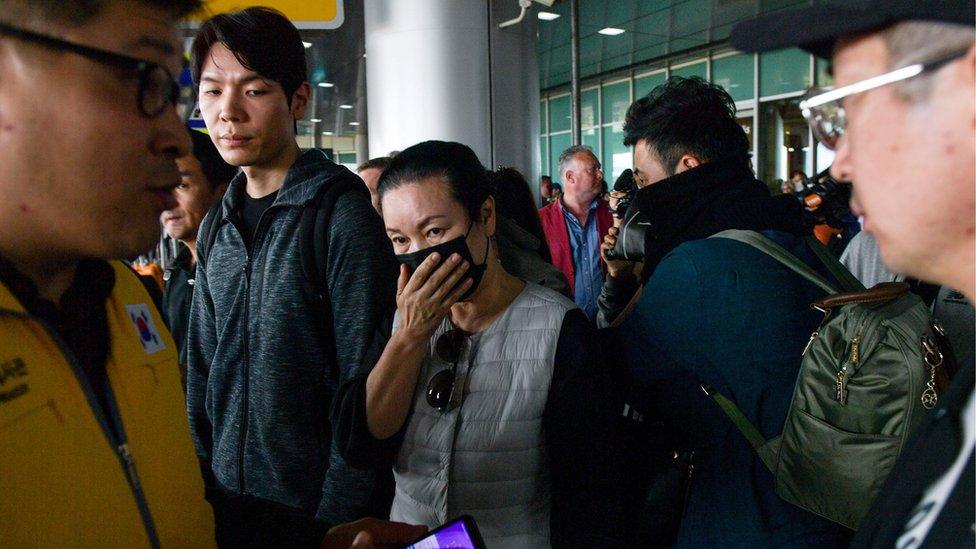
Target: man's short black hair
pixel 76 12
pixel 215 170
pixel 686 116
pixel 262 39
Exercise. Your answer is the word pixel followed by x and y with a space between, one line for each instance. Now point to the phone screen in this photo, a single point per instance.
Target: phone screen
pixel 453 535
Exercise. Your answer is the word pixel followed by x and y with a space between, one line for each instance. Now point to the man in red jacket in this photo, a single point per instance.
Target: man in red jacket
pixel 576 224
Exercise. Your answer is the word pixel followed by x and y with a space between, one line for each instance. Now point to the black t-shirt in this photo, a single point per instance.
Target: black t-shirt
pixel 79 319
pixel 251 211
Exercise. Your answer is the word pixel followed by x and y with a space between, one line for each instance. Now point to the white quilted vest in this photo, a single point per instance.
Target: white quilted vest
pixel 487 458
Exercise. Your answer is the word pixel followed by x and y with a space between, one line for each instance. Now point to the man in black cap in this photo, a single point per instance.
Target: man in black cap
pixel 902 120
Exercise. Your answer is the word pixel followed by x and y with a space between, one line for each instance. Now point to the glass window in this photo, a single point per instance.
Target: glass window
pixel 616 99
pixel 784 71
pixel 698 69
pixel 557 144
pixel 735 73
pixel 543 117
pixel 559 114
pixel 745 120
pixel 824 78
pixel 544 154
pixel 786 142
pixel 616 156
pixel 645 84
pixel 589 108
pixel 591 138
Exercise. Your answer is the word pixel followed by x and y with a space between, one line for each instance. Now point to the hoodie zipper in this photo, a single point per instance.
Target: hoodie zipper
pixel 246 372
pixel 116 438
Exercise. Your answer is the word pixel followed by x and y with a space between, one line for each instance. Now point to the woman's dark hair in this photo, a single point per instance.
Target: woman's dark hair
pixel 686 116
pixel 514 200
pixel 455 163
pixel 262 39
pixel 215 170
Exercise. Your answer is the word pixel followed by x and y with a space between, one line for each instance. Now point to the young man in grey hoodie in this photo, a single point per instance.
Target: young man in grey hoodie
pixel 268 347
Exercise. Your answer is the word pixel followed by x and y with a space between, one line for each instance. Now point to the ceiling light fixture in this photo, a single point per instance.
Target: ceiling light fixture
pixel 316 120
pixel 306 44
pixel 326 133
pixel 326 84
pixel 354 123
pixel 548 15
pixel 345 106
pixel 610 31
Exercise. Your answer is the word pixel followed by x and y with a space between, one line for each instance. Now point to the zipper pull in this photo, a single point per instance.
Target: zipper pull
pixel 813 336
pixel 855 350
pixel 840 390
pixel 130 465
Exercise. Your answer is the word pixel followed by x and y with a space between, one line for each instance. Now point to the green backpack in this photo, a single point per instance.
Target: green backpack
pixel 867 376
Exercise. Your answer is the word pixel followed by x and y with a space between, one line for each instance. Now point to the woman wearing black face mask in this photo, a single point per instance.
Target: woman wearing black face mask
pixel 487 395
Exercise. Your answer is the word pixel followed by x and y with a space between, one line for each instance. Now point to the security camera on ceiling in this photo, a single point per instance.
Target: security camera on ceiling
pixel 524 5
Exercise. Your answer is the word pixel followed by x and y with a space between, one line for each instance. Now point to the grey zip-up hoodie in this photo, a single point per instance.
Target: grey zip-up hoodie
pixel 263 365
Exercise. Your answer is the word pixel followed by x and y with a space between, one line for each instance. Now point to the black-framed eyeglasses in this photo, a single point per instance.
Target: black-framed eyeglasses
pixel 158 89
pixel 449 347
pixel 824 109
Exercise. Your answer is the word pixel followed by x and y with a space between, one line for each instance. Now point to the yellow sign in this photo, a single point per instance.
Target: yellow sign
pixel 305 14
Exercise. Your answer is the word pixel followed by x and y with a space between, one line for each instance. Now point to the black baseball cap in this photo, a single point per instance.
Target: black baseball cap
pixel 816 28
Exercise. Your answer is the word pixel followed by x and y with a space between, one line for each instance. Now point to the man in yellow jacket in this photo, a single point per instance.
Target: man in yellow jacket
pixel 94 443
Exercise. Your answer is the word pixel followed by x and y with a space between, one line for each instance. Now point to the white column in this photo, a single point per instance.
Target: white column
pixel 429 76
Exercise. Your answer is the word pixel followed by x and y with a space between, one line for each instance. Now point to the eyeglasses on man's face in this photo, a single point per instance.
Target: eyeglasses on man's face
pixel 824 109
pixel 158 89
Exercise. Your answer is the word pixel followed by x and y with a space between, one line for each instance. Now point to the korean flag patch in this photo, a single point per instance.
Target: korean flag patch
pixel 146 331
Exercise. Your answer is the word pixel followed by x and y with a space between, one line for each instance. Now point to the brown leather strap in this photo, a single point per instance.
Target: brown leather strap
pixel 885 291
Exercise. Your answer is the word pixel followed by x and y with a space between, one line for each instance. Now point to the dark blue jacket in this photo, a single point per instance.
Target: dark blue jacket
pixel 719 312
pixel 265 360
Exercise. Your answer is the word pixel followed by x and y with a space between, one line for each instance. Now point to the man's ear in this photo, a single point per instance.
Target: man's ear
pixel 299 101
pixel 687 162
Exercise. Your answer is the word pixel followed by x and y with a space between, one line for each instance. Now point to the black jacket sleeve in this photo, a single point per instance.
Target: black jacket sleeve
pixel 582 438
pixel 350 431
pixel 361 274
pixel 614 297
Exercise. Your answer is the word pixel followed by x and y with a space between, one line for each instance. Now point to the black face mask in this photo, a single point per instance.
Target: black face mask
pixel 458 246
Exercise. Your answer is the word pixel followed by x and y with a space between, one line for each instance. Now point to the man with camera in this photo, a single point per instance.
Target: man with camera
pixel 714 311
pixel 902 120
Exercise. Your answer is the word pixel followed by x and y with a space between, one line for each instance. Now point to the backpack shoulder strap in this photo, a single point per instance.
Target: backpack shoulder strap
pixel 314 229
pixel 848 282
pixel 742 423
pixel 778 253
pixel 208 235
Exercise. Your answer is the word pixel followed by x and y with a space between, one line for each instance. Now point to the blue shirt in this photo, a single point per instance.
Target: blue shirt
pixel 585 243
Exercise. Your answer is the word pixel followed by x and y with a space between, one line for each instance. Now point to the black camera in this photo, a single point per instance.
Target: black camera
pixel 624 184
pixel 826 199
pixel 634 225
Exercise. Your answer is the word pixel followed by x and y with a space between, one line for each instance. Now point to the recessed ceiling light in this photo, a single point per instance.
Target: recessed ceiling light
pixel 611 31
pixel 354 123
pixel 316 120
pixel 307 44
pixel 326 84
pixel 548 15
pixel 345 106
